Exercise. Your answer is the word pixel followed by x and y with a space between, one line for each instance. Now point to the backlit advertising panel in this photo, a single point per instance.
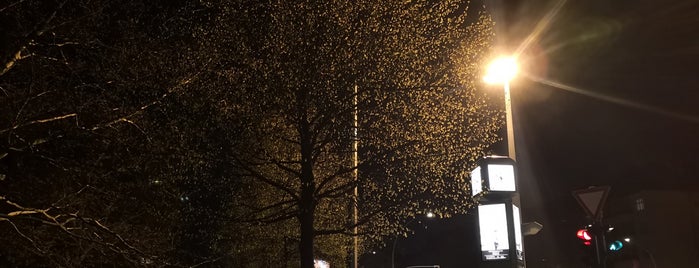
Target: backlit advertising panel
pixel 492 223
pixel 518 232
pixel 476 181
pixel 501 177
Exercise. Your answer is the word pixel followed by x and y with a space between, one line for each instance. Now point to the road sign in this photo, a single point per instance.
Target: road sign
pixel 592 200
pixel 531 228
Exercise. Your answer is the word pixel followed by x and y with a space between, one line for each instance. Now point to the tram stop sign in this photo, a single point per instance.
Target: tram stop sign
pixel 592 200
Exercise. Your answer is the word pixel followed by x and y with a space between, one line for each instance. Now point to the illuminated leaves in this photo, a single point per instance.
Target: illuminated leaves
pixel 422 121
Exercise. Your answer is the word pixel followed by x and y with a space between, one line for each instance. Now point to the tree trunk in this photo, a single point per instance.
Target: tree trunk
pixel 307 204
pixel 306 243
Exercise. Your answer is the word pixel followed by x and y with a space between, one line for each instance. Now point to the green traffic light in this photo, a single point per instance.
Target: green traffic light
pixel 616 245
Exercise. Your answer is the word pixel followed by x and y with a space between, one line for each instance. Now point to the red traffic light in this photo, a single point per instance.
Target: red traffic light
pixel 584 234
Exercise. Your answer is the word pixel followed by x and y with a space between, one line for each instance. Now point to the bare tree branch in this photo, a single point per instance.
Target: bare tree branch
pixel 253 173
pixel 39 121
pixel 16 54
pixel 179 85
pixel 11 5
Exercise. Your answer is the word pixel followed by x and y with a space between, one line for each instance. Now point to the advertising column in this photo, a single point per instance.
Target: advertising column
pixel 494 183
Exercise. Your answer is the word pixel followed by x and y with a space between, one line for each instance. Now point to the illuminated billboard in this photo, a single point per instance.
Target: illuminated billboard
pixel 476 181
pixel 492 223
pixel 501 177
pixel 518 233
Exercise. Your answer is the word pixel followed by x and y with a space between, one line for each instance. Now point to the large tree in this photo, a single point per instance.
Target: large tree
pixel 292 68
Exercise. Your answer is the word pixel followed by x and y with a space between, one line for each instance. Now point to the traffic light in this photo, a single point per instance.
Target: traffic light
pixel 585 235
pixel 589 256
pixel 618 237
pixel 616 245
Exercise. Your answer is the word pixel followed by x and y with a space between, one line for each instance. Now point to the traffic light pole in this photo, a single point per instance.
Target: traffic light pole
pixel 592 200
pixel 598 232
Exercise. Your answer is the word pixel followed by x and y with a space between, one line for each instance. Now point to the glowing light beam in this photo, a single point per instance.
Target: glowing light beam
pixel 540 27
pixel 615 100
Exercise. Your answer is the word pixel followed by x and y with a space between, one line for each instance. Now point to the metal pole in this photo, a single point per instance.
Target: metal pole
pixel 393 252
pixel 355 163
pixel 395 242
pixel 598 231
pixel 598 255
pixel 652 259
pixel 512 154
pixel 510 127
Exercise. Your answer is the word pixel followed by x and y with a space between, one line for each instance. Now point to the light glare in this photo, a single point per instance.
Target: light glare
pixel 501 70
pixel 320 264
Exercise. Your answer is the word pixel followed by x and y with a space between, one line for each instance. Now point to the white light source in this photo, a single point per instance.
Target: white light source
pixel 501 177
pixel 430 215
pixel 492 225
pixel 501 70
pixel 628 240
pixel 320 264
pixel 476 181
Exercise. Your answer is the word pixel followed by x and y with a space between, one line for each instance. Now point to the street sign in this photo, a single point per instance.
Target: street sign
pixel 531 228
pixel 592 200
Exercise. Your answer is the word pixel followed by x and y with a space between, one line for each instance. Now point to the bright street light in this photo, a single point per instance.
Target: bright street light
pixel 501 70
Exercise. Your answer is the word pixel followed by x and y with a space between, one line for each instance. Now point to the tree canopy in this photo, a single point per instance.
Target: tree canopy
pixel 295 66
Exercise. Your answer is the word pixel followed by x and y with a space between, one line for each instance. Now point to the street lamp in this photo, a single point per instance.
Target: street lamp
pixel 501 71
pixel 501 209
pixel 395 240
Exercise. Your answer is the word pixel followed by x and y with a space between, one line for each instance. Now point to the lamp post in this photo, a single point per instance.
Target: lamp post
pixel 498 215
pixel 501 71
pixel 395 240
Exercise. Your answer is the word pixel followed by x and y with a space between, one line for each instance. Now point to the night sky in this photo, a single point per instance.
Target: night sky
pixel 630 116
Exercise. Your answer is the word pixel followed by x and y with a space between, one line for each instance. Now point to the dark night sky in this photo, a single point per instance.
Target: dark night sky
pixel 634 127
